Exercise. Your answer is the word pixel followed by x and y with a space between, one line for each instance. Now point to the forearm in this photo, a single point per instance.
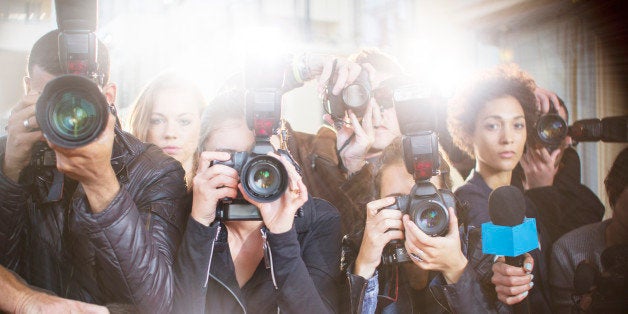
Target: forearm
pixel 101 192
pixel 137 248
pixel 13 208
pixel 316 283
pixel 14 292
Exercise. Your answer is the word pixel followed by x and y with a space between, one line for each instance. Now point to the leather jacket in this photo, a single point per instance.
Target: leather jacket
pixel 122 255
pixel 324 178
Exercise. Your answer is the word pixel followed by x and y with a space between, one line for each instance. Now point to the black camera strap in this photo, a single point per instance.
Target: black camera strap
pixel 56 188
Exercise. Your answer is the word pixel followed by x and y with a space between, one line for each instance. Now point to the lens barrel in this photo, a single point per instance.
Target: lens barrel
pixel 431 217
pixel 72 111
pixel 264 178
pixel 551 129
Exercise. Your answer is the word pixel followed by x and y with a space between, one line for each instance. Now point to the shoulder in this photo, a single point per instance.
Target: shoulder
pixel 321 209
pixel 581 237
pixel 146 158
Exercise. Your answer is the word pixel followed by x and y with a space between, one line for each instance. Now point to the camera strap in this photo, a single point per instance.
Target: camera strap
pixel 56 188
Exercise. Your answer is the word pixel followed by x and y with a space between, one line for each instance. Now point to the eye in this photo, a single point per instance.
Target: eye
pixel 157 121
pixel 492 126
pixel 184 122
pixel 520 125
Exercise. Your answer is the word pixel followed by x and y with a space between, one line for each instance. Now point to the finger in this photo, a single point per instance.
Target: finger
pixel 389 214
pixel 514 290
pixel 371 72
pixel 25 102
pixel 515 299
pixel 392 235
pixel 373 207
pixel 511 281
pixel 387 224
pixel 553 98
pixel 293 175
pixel 412 230
pixel 508 270
pixel 354 72
pixel 325 75
pixel 528 263
pixel 543 104
pixel 341 80
pixel 221 180
pixel 357 127
pixel 554 156
pixel 367 121
pixel 328 119
pixel 376 113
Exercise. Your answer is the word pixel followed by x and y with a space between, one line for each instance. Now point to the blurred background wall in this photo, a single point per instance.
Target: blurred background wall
pixel 576 48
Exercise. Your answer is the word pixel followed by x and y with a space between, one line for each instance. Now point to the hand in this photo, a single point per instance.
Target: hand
pixel 346 73
pixel 545 99
pixel 278 216
pixel 382 226
pixel 91 166
pixel 512 283
pixel 212 184
pixel 442 254
pixel 360 136
pixel 539 167
pixel 20 139
pixel 36 302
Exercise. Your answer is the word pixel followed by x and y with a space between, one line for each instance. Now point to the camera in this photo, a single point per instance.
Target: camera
pixel 551 130
pixel 426 205
pixel 264 178
pixel 354 97
pixel 71 111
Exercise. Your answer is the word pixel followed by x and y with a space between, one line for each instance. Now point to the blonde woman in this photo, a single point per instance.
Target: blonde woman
pixel 167 113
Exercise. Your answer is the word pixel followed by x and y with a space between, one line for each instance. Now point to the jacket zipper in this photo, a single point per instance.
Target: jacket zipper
pixel 268 256
pixel 211 257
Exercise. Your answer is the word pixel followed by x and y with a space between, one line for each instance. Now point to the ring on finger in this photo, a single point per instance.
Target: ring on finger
pixel 416 257
pixel 26 124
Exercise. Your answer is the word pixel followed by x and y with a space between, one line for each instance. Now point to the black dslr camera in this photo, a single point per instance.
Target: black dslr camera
pixel 355 97
pixel 426 205
pixel 71 111
pixel 551 129
pixel 264 178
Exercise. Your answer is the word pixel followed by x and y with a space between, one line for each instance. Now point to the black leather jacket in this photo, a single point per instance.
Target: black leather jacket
pixel 122 255
pixel 302 275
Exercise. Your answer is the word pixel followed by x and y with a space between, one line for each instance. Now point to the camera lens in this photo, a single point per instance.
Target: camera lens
pixel 551 129
pixel 72 111
pixel 73 116
pixel 265 178
pixel 432 218
pixel 355 96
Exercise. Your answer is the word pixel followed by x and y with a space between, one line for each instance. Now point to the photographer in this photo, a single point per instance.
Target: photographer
pixel 111 237
pixel 588 242
pixel 281 263
pixel 554 176
pixel 339 161
pixel 376 287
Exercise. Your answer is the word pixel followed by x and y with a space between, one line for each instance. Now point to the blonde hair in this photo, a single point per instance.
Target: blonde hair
pixel 139 121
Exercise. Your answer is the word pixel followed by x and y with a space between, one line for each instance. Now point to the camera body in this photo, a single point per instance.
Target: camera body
pixel 427 207
pixel 354 97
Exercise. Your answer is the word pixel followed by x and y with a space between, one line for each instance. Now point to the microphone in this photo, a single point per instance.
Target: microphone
pixel 585 280
pixel 506 207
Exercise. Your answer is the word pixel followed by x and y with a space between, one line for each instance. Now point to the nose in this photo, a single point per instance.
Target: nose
pixel 171 131
pixel 507 135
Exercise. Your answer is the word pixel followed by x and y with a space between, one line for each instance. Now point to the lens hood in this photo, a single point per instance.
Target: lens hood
pixel 71 111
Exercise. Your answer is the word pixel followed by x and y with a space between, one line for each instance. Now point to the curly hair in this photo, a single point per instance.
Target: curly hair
pixel 504 80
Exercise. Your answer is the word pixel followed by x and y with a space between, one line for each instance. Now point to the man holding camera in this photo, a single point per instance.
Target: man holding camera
pixel 112 234
pixel 338 162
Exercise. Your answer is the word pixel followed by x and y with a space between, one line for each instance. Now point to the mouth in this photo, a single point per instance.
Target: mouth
pixel 171 149
pixel 507 154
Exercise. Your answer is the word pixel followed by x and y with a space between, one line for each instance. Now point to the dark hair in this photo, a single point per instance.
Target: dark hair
pixel 393 155
pixel 617 179
pixel 45 54
pixel 225 106
pixel 381 61
pixel 505 80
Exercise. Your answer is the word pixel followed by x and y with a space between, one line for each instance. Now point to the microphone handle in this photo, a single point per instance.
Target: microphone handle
pixel 522 307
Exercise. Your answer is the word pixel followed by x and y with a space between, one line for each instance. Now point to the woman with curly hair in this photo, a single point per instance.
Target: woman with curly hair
pixel 491 119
